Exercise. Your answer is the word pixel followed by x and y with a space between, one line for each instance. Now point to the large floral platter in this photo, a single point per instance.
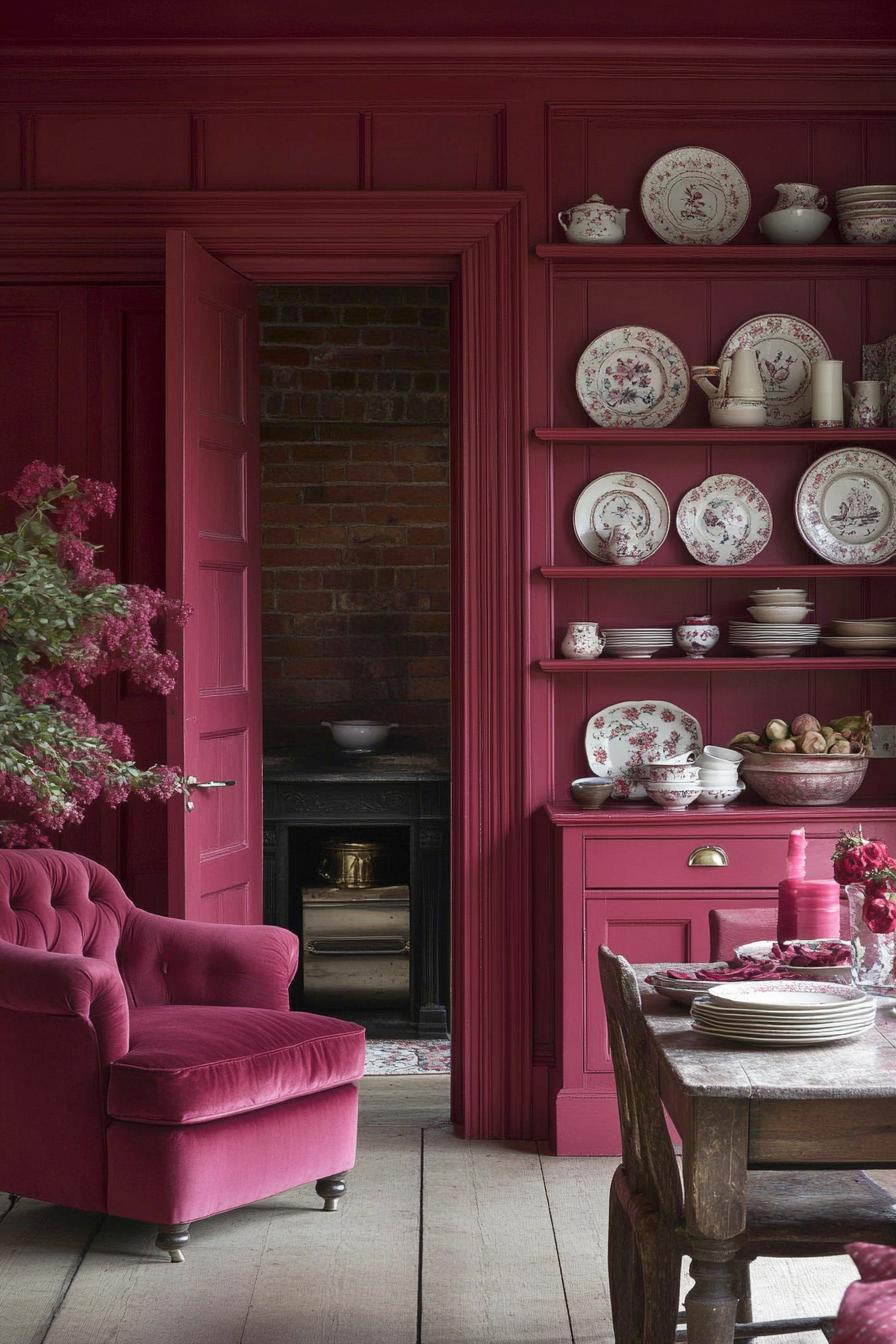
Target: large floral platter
pixel 622 499
pixel 786 347
pixel 620 738
pixel 846 507
pixel 632 377
pixel 695 195
pixel 879 364
pixel 725 520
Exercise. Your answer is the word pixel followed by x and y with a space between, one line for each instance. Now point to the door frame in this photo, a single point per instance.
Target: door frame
pixel 476 242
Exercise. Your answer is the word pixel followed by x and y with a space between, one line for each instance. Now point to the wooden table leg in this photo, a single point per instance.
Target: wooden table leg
pixel 714 1151
pixel 711 1305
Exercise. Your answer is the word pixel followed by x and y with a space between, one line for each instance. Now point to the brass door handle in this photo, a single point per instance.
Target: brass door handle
pixel 708 856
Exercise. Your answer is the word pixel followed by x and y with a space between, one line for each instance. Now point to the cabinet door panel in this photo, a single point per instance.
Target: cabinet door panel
pixel 645 928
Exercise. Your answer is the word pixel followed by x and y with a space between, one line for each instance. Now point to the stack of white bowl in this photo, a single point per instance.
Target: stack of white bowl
pixel 638 641
pixel 867 214
pixel 719 784
pixel 863 637
pixel 778 627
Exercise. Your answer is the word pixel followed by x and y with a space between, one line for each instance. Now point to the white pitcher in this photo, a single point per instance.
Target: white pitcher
pixel 745 380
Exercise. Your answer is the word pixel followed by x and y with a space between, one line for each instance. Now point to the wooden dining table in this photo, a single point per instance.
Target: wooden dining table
pixel 740 1107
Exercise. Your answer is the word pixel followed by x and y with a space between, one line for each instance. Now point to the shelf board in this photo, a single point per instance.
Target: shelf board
pixel 839 663
pixel 704 434
pixel 564 812
pixel 823 256
pixel 697 571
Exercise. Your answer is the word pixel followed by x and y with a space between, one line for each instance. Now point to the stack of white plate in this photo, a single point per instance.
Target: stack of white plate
pixel 862 637
pixel 783 1012
pixel 638 641
pixel 680 991
pixel 772 641
pixel 867 214
pixel 779 606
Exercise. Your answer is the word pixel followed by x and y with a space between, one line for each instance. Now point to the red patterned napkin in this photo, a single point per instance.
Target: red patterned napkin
pixel 780 964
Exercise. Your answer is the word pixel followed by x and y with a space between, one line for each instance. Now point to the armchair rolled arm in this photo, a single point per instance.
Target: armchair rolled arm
pixel 59 984
pixel 166 960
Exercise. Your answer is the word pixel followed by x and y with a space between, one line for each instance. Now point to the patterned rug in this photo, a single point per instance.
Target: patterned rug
pixel 408 1057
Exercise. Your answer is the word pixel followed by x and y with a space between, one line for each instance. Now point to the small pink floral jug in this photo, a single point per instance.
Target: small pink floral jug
pixel 583 639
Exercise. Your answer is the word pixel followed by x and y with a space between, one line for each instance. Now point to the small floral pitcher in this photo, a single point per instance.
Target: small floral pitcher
pixel 583 639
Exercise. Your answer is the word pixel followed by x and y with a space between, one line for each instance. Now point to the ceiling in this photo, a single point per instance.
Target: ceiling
pixel 151 21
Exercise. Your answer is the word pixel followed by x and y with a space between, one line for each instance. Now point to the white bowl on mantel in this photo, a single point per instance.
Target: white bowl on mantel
pixel 358 734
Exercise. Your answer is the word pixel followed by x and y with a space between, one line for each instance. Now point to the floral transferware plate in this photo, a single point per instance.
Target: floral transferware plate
pixel 879 364
pixel 846 507
pixel 725 520
pixel 621 499
pixel 695 195
pixel 786 347
pixel 632 377
pixel 620 738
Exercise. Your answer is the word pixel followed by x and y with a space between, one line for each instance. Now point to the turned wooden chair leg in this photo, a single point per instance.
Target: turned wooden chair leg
pixel 331 1189
pixel 745 1298
pixel 172 1237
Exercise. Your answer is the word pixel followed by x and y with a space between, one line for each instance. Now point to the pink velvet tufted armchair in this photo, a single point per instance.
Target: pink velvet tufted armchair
pixel 150 1067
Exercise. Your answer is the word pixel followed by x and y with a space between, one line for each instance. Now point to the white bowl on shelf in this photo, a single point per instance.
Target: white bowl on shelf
pixel 768 597
pixel 776 613
pixel 720 795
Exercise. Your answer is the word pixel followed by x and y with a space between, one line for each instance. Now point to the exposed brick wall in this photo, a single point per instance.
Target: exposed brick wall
pixel 355 509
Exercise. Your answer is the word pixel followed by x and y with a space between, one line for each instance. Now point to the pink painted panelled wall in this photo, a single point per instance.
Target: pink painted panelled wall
pixel 554 124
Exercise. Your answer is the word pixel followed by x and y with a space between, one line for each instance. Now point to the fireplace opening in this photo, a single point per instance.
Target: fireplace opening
pixel 356 626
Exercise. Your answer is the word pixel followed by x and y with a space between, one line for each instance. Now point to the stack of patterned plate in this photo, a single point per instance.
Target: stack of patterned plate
pixel 867 214
pixel 638 641
pixel 783 1012
pixel 772 641
pixel 680 991
pixel 863 636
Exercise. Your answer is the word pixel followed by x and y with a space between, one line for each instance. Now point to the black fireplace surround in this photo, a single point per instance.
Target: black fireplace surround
pixel 406 795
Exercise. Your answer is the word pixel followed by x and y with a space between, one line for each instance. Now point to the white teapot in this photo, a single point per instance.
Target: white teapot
pixel 593 222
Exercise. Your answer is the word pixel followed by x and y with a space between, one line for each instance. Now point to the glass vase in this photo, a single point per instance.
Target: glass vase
pixel 873 954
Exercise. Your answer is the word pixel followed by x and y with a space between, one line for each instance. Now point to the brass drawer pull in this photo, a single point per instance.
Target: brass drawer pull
pixel 708 856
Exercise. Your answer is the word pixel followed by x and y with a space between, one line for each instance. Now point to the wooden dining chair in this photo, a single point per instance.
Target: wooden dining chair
pixel 789 1213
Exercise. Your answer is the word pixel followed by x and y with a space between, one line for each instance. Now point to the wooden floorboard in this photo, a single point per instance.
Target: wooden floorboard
pixel 513 1252
pixel 490 1270
pixel 578 1190
pixel 41 1246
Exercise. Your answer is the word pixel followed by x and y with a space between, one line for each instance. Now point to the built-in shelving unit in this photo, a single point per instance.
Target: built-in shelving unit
pixel 723 663
pixel 664 256
pixel 635 573
pixel 701 434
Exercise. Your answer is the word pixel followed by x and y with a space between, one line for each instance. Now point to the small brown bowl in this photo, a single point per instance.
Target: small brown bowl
pixel 591 793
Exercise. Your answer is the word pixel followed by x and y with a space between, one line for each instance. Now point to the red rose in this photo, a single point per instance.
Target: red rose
pixel 875 854
pixel 850 867
pixel 879 913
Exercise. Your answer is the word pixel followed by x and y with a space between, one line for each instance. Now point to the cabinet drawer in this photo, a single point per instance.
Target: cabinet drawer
pixel 757 861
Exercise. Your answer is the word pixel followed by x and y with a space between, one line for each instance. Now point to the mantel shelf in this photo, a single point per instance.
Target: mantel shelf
pixel 695 571
pixel 720 664
pixel 665 256
pixel 704 434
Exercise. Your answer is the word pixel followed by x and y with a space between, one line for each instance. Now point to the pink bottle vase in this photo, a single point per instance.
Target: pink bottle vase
pixel 806 908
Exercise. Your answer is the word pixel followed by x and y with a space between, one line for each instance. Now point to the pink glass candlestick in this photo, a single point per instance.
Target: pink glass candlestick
pixel 807 908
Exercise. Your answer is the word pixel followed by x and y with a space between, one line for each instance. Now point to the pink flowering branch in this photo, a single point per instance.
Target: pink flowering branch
pixel 64 622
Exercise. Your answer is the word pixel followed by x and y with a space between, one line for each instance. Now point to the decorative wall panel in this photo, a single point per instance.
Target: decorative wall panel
pixel 287 150
pixel 112 150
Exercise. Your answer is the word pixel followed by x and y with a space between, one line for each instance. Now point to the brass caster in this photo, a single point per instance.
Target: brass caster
pixel 330 1189
pixel 172 1239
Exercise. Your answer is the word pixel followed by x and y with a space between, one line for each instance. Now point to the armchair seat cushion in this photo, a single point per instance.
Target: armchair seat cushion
pixel 189 1064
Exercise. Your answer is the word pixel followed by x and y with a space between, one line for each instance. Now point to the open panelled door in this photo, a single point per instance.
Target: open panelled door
pixel 213 563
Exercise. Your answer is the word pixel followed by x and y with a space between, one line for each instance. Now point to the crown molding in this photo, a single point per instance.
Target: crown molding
pixel 496 59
